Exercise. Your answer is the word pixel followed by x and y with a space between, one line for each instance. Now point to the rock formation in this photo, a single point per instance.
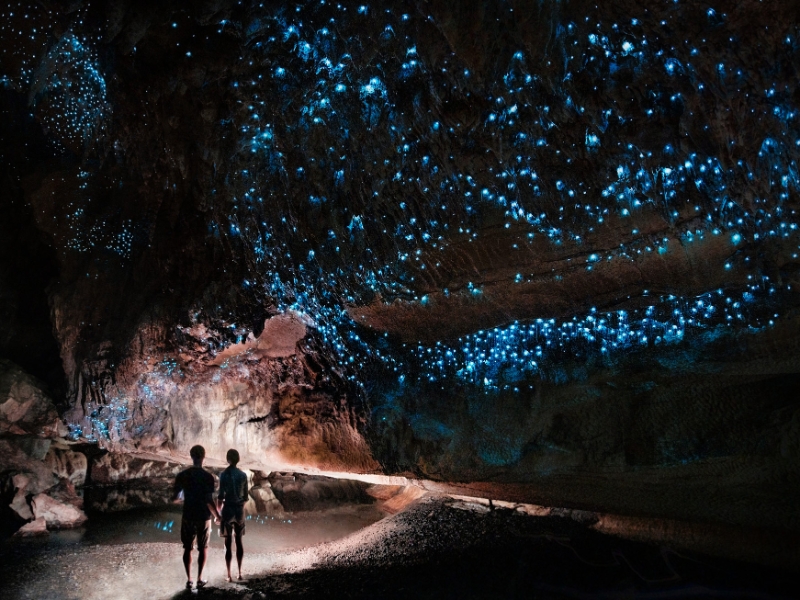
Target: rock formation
pixel 56 514
pixel 548 249
pixel 34 528
pixel 38 471
pixel 24 407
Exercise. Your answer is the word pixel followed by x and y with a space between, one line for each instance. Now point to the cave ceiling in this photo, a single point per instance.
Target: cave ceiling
pixel 415 196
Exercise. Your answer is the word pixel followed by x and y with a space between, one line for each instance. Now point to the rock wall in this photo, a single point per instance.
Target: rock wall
pixel 39 471
pixel 266 398
pixel 546 244
pixel 628 437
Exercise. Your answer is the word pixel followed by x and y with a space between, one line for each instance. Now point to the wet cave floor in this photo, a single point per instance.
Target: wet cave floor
pixel 433 549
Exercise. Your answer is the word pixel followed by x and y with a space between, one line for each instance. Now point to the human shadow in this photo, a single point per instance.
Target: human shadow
pixel 216 593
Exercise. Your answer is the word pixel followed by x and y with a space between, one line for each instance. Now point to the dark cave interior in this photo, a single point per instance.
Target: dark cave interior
pixel 531 253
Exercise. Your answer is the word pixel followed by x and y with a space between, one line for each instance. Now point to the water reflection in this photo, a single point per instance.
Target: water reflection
pixel 136 553
pixel 265 532
pixel 165 527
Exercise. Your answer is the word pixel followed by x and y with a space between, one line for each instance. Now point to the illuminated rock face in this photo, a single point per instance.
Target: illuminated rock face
pixel 470 241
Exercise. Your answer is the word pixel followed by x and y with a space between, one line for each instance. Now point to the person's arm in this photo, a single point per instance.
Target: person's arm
pixel 176 491
pixel 212 505
pixel 221 494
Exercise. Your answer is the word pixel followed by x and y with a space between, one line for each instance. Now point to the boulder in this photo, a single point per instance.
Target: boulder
pixel 17 461
pixel 57 514
pixel 115 468
pixel 20 481
pixel 35 527
pixel 67 464
pixel 24 406
pixel 65 493
pixel 259 477
pixel 20 506
pixel 264 500
pixel 299 492
pixel 19 503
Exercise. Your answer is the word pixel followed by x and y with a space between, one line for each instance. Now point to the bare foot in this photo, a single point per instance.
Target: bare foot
pixel 228 578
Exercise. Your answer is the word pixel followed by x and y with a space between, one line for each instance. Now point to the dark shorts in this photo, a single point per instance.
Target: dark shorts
pixel 233 522
pixel 195 529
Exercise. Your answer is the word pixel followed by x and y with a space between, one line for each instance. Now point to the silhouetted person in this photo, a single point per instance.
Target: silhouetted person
pixel 230 500
pixel 197 486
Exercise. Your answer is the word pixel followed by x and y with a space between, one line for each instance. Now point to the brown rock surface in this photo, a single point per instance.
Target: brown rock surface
pixel 36 527
pixel 199 281
pixel 16 460
pixel 20 505
pixel 24 407
pixel 58 515
pixel 298 492
pixel 116 468
pixel 67 464
pixel 265 500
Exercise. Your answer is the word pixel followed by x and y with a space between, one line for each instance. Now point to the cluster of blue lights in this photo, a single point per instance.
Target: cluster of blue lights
pixel 57 70
pixel 164 526
pixel 70 92
pixel 361 157
pixel 28 25
pixel 112 417
pixel 105 420
pixel 505 357
pixel 263 519
pixel 548 145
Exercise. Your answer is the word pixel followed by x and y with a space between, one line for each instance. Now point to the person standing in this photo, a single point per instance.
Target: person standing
pixel 197 486
pixel 230 502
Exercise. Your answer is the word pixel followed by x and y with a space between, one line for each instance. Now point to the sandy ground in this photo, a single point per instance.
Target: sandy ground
pixel 436 548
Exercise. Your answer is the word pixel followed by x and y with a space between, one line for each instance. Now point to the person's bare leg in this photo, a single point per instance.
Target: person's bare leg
pixel 187 562
pixel 239 554
pixel 228 556
pixel 201 562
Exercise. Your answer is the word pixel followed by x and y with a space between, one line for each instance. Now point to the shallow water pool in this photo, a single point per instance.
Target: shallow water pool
pixel 137 553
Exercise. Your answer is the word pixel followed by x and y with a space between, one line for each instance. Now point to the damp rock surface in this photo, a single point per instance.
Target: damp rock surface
pixel 36 527
pixel 465 242
pixel 57 514
pixel 443 549
pixel 435 548
pixel 25 408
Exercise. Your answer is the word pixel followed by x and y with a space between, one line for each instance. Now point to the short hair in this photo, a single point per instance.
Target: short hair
pixel 232 457
pixel 197 452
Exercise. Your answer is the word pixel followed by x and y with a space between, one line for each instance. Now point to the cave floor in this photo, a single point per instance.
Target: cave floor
pixel 137 553
pixel 436 548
